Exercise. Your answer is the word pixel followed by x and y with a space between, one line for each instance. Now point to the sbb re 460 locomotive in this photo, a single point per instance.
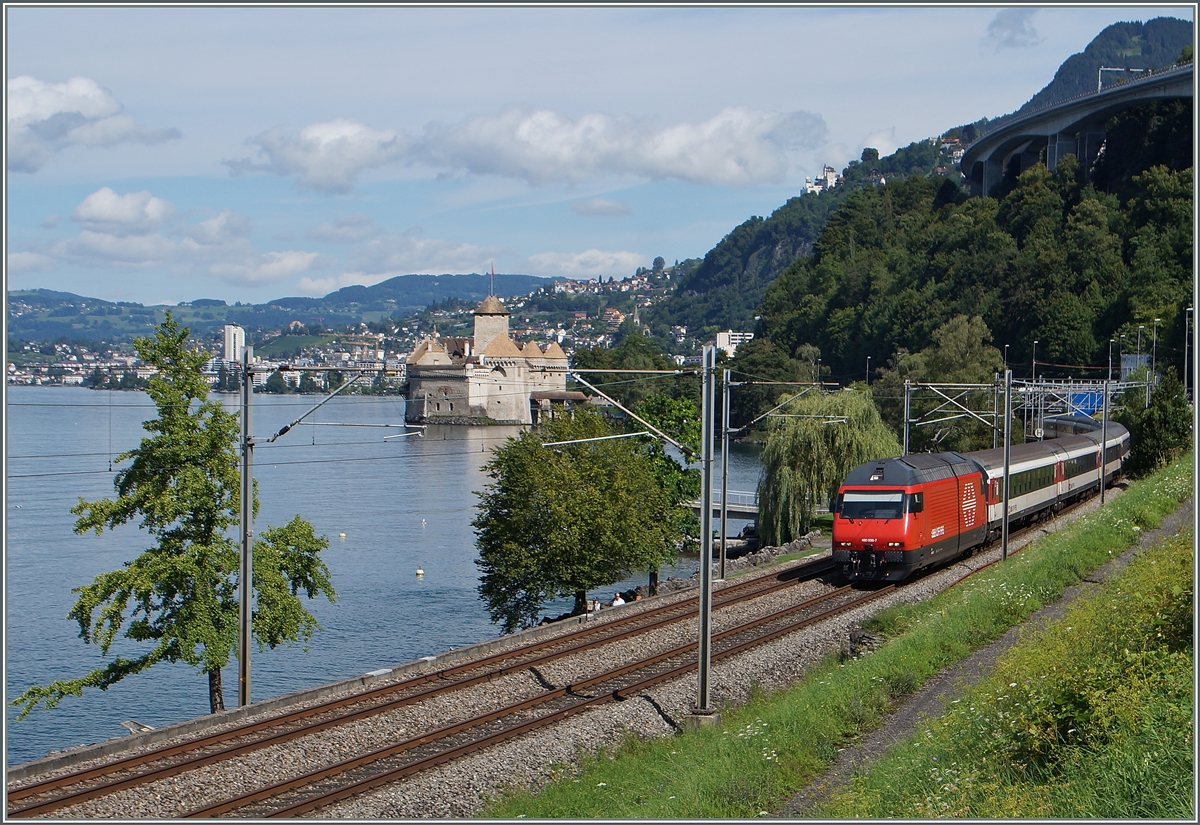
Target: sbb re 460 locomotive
pixel 895 516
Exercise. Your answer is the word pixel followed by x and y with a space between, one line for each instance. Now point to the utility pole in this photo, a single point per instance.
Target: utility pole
pixel 1153 361
pixel 1104 444
pixel 907 403
pixel 246 574
pixel 868 372
pixel 724 463
pixel 1187 340
pixel 1007 463
pixel 704 713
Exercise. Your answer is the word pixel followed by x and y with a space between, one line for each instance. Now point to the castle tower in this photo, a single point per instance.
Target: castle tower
pixel 491 322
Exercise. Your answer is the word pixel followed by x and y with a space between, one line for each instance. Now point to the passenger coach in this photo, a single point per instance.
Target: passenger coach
pixel 895 516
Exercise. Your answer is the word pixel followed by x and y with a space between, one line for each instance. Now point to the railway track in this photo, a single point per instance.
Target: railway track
pixel 311 791
pixel 346 778
pixel 41 798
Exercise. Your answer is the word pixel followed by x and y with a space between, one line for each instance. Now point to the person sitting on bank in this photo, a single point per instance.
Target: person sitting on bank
pixel 617 600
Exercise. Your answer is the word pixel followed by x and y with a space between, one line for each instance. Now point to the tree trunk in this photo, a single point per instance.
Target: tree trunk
pixel 216 699
pixel 580 603
pixel 654 582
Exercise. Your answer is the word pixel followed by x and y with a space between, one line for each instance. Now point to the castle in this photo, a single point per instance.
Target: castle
pixel 486 376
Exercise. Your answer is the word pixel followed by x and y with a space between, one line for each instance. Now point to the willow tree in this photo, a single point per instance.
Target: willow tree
pixel 180 597
pixel 810 448
pixel 560 520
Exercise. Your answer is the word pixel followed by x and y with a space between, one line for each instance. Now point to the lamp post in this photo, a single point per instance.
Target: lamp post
pixel 1033 369
pixel 1121 358
pixel 818 370
pixel 1153 361
pixel 1187 339
pixel 1006 357
pixel 1110 343
pixel 868 370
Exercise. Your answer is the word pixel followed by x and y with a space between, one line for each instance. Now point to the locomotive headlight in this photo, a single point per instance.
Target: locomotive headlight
pixel 895 544
pixel 844 544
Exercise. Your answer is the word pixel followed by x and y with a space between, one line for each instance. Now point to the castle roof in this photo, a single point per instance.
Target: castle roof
pixel 501 347
pixel 531 350
pixel 428 347
pixel 491 306
pixel 554 351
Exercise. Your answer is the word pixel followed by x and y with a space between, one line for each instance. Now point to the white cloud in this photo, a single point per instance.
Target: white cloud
pixel 92 248
pixel 105 210
pixel 1012 29
pixel 328 156
pixel 45 118
pixel 346 229
pixel 737 147
pixel 403 254
pixel 224 228
pixel 590 264
pixel 601 207
pixel 29 262
pixel 270 267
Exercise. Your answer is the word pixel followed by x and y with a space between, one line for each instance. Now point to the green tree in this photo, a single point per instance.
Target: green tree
pixel 277 383
pixel 806 458
pixel 680 419
pixel 181 595
pixel 558 521
pixel 307 384
pixel 1158 433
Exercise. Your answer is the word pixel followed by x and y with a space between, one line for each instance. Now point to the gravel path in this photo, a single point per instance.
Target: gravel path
pixel 932 698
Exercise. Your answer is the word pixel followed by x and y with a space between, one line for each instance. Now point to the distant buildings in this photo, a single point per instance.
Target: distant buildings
pixel 235 343
pixel 728 341
pixel 828 179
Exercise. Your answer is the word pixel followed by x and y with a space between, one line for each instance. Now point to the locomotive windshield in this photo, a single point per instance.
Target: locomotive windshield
pixel 856 504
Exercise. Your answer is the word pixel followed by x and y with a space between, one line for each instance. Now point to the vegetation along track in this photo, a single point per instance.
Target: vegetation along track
pixel 48 796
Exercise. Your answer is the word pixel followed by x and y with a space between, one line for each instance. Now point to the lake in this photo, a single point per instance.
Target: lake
pixel 402 503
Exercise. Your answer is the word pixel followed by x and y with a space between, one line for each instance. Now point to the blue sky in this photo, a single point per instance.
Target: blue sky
pixel 167 154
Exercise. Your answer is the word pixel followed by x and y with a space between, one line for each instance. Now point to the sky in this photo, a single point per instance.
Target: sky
pixel 162 155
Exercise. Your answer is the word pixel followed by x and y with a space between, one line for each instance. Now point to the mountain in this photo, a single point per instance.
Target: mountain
pixel 408 293
pixel 47 315
pixel 1150 45
pixel 724 291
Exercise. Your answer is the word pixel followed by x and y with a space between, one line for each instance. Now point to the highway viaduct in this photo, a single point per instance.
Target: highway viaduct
pixel 1071 127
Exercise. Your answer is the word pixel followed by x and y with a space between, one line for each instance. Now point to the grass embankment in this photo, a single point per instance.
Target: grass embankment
pixel 1089 717
pixel 772 746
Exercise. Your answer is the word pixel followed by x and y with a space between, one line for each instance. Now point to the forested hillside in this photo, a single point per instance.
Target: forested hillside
pixel 1055 260
pixel 724 291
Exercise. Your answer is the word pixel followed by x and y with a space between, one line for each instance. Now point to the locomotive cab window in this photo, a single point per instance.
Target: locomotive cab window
pixel 868 504
pixel 916 502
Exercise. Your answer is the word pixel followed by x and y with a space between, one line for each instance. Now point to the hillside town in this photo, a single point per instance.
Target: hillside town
pixel 292 359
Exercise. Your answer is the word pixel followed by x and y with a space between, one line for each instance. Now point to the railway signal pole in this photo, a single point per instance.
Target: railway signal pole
pixel 1007 444
pixel 724 462
pixel 246 574
pixel 704 713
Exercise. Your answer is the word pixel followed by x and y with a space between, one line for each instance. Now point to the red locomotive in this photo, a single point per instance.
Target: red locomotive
pixel 895 516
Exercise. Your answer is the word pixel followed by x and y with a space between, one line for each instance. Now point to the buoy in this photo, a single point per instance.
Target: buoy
pixel 341 535
pixel 420 573
pixel 422 522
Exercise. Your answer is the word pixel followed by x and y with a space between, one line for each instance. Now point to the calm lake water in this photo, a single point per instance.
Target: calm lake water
pixel 403 503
